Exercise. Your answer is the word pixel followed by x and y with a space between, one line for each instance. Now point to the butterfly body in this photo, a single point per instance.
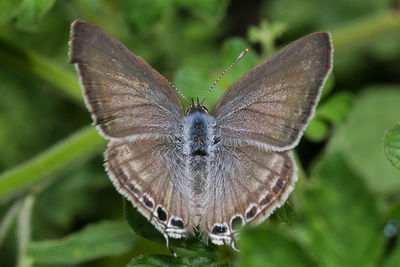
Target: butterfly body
pixel 196 171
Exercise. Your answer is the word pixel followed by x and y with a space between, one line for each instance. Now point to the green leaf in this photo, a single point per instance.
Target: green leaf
pixel 163 260
pixel 341 222
pixel 8 9
pixel 394 258
pixel 145 229
pixel 335 108
pixel 360 137
pixel 286 213
pixel 56 208
pixel 94 241
pixel 142 15
pixel 391 144
pixel 268 247
pixel 31 12
pixel 209 11
pixel 317 130
pixel 266 34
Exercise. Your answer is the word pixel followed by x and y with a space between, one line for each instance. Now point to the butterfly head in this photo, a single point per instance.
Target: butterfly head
pixel 196 107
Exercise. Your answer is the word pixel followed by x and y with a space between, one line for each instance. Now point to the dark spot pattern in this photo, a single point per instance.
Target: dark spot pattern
pixel 148 202
pixel 161 214
pixel 277 189
pixel 177 223
pixel 251 213
pixel 199 152
pixel 266 200
pixel 218 229
pixel 121 175
pixel 133 188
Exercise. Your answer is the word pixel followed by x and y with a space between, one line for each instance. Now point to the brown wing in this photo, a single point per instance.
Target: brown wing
pixel 271 105
pixel 149 173
pixel 246 185
pixel 125 95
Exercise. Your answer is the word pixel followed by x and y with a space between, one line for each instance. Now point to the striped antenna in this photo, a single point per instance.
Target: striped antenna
pixel 179 92
pixel 223 73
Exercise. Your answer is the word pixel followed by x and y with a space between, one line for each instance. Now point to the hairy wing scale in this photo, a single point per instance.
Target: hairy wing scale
pixel 139 172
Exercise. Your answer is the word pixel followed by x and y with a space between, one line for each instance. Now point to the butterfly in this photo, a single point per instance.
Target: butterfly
pixel 192 171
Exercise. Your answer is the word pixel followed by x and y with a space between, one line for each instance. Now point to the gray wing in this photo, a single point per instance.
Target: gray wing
pixel 271 105
pixel 126 96
pixel 246 185
pixel 149 174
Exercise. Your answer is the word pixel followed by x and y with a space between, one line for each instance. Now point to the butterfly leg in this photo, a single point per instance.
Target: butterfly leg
pixel 233 244
pixel 167 245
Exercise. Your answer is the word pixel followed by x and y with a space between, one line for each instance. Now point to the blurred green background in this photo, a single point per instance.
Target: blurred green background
pixel 57 206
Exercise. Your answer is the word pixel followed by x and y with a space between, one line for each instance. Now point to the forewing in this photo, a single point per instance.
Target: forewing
pixel 126 96
pixel 149 174
pixel 271 105
pixel 246 185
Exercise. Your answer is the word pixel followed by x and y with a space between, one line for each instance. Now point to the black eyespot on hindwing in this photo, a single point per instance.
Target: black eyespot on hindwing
pixel 161 214
pixel 219 229
pixel 177 223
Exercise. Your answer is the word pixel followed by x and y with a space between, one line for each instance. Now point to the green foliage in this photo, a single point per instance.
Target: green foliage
pixel 98 240
pixel 264 245
pixel 348 236
pixel 163 260
pixel 74 148
pixel 26 12
pixel 360 137
pixel 392 146
pixel 59 208
pixel 31 11
pixel 266 34
pixel 8 9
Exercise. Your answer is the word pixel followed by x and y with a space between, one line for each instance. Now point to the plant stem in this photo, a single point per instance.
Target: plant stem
pixel 31 63
pixel 79 146
pixel 8 219
pixel 366 30
pixel 24 231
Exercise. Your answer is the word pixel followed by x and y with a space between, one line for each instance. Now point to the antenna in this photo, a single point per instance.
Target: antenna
pixel 223 73
pixel 179 92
